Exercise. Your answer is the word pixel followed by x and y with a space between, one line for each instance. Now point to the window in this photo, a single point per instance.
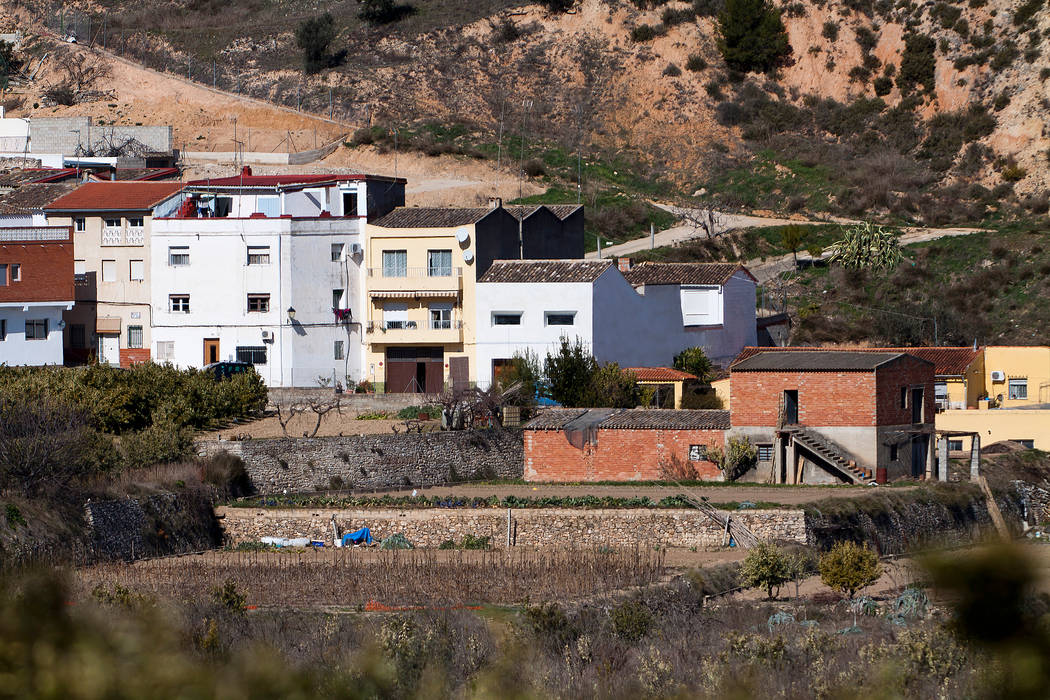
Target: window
pixel 955 445
pixel 109 270
pixel 506 319
pixel 3 329
pixel 349 203
pixel 337 252
pixel 80 267
pixel 138 270
pixel 166 350
pixel 76 336
pixel 1017 389
pixel 112 223
pixel 940 391
pixel 440 316
pixel 136 222
pixel 1027 444
pixel 258 255
pixel 178 255
pixel 268 204
pixel 179 303
pixel 395 314
pixel 765 453
pixel 338 350
pixel 337 298
pixel 252 354
pixel 904 397
pixel 16 273
pixel 80 223
pixel 560 319
pixel 395 263
pixel 439 263
pixel 36 329
pixel 134 336
pixel 3 275
pixel 319 197
pixel 258 303
pixel 701 306
pixel 697 453
pixel 893 453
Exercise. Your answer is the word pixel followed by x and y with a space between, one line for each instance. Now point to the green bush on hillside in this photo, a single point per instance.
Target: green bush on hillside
pixel 751 36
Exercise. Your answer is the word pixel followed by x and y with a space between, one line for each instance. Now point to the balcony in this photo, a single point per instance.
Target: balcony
pixel 413 332
pixel 118 235
pixel 415 279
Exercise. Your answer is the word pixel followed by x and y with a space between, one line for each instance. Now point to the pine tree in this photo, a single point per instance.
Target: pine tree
pixel 752 36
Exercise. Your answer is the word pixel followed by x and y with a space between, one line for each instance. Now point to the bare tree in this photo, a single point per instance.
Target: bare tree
pixel 320 407
pixel 77 74
pixel 461 407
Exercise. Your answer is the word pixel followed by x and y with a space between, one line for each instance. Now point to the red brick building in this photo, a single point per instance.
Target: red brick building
pixel 830 416
pixel 578 444
pixel 36 287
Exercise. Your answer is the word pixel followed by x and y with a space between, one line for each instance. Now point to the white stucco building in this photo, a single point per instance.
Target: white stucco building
pixel 640 317
pixel 267 270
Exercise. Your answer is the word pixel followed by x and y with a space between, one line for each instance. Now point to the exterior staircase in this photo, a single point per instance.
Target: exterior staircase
pixel 830 455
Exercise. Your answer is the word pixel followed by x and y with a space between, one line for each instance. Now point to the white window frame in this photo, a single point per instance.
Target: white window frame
pixel 178 255
pixel 395 314
pixel 35 323
pixel 80 224
pixel 258 252
pixel 136 222
pixel 692 314
pixel 440 316
pixel 1015 384
pixel 547 318
pixel 142 271
pixel 166 350
pixel 131 342
pixel 399 263
pixel 439 270
pixel 111 265
pixel 498 314
pixel 179 303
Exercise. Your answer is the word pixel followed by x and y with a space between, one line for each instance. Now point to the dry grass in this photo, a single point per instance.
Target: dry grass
pixel 353 578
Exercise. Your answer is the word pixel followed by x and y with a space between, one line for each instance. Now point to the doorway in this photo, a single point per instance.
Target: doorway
pixel 791 407
pixel 415 370
pixel 918 455
pixel 916 405
pixel 211 350
pixel 109 349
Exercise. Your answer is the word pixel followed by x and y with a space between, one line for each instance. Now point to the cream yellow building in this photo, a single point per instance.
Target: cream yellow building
pixel 111 245
pixel 422 268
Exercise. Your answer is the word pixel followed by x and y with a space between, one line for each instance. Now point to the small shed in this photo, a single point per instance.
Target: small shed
pixel 668 382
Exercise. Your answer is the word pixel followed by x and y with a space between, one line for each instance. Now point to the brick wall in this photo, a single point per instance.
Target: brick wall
pixel 824 398
pixel 133 356
pixel 530 527
pixel 46 271
pixel 620 455
pixel 908 371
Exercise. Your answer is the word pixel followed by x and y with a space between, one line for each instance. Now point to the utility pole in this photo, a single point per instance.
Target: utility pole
pixel 526 105
pixel 330 112
pixel 579 155
pixel 499 141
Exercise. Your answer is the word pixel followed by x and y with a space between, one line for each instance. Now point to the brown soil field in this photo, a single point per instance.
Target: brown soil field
pixel 333 424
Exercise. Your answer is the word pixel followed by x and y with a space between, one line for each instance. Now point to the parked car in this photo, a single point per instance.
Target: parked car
pixel 225 370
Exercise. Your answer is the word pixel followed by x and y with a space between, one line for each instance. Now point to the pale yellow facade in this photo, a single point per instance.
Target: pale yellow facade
pixel 721 387
pixel 997 425
pixel 112 261
pixel 1022 375
pixel 406 303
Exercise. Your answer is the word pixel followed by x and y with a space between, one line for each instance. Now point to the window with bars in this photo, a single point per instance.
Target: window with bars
pixel 258 303
pixel 252 354
pixel 178 255
pixel 36 329
pixel 134 336
pixel 179 303
pixel 338 351
pixel 1017 389
pixel 765 453
pixel 258 255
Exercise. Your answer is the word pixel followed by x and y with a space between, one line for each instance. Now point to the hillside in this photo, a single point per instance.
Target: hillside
pixel 488 69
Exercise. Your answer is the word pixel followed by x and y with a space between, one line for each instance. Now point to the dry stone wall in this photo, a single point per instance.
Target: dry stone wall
pixel 376 461
pixel 530 527
pixel 155 525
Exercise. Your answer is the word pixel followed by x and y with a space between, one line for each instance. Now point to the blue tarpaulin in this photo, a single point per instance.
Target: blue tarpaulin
pixel 364 535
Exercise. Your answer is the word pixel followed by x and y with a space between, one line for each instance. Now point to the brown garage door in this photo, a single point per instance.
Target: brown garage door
pixel 414 370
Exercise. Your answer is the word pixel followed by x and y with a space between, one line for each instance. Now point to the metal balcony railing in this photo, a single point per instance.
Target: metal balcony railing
pixel 416 272
pixel 413 325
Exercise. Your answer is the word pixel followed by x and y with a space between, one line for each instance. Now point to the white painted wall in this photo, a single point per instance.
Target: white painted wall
pixel 15 349
pixel 300 274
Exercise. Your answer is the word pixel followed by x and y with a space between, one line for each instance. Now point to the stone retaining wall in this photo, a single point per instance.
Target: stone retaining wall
pixel 155 525
pixel 376 461
pixel 530 527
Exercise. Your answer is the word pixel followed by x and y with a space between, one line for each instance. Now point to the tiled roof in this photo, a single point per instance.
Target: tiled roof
pixel 635 419
pixel 815 361
pixel 561 211
pixel 143 174
pixel 33 197
pixel 667 419
pixel 19 176
pixel 682 273
pixel 564 271
pixel 115 196
pixel 432 217
pixel 659 374
pixel 554 418
pixel 947 361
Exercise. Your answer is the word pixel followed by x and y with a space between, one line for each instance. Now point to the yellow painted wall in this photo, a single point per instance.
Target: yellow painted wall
pixel 1017 362
pixel 721 387
pixel 416 243
pixel 975 380
pixel 996 425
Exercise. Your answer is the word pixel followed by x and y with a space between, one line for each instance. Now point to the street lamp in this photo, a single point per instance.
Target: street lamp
pixel 291 314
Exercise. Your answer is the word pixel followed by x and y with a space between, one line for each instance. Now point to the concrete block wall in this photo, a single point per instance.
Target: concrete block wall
pixel 530 527
pixel 63 135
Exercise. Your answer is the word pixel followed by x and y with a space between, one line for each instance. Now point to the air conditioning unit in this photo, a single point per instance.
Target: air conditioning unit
pixel 998 376
pixel 267 335
pixel 355 248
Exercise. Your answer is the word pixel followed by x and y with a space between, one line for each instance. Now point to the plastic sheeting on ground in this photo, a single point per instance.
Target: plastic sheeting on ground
pixel 362 536
pixel 286 542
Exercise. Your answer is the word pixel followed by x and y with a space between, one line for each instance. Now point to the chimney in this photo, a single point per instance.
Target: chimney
pixel 246 171
pixel 624 264
pixel 495 202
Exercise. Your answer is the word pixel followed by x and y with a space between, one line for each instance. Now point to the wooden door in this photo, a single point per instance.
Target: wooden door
pixel 435 376
pixel 211 350
pixel 400 376
pixel 459 368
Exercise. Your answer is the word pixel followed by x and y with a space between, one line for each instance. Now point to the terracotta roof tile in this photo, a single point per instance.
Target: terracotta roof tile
pixel 116 196
pixel 558 271
pixel 947 361
pixel 659 374
pixel 682 273
pixel 32 197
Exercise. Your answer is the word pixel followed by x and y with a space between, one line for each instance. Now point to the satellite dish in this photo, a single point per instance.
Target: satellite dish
pixel 468 256
pixel 462 235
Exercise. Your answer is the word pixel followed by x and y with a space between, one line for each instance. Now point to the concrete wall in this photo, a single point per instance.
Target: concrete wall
pixel 16 350
pixel 376 461
pixel 65 134
pixel 546 527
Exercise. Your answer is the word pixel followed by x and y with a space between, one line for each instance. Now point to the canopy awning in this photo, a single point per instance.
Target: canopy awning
pixel 106 325
pixel 418 294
